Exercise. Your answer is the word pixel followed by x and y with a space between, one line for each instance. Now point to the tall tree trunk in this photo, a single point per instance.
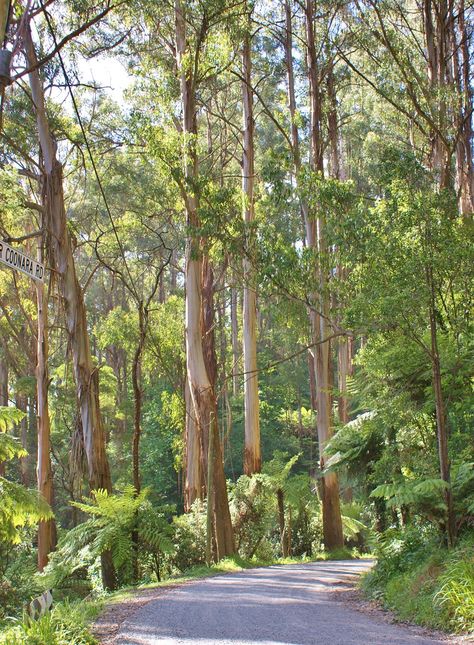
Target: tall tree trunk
pixel 435 23
pixel 3 396
pixel 200 381
pixel 62 260
pixel 344 344
pixel 436 27
pixel 3 382
pixel 138 399
pixel 46 529
pixel 441 424
pixel 234 306
pixel 211 446
pixel 137 423
pixel 252 452
pixel 297 168
pixel 319 316
pixel 461 61
pixel 21 403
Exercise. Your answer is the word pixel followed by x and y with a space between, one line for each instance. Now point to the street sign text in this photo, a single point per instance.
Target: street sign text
pixel 17 260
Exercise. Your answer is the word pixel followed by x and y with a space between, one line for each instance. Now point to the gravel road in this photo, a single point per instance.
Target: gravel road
pixel 291 605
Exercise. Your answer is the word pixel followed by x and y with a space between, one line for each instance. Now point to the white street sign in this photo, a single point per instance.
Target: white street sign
pixel 17 260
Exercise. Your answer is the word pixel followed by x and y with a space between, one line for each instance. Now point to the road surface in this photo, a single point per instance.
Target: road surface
pixel 280 605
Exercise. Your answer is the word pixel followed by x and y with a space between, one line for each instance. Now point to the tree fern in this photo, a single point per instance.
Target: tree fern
pixel 425 496
pixel 19 506
pixel 111 521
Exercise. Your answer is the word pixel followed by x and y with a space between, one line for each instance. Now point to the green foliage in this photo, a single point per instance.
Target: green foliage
pixel 424 582
pixel 20 507
pixel 456 595
pixel 190 537
pixel 65 624
pixel 112 519
pixel 425 496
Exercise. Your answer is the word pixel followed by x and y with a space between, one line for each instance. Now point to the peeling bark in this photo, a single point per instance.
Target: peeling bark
pixel 200 340
pixel 61 259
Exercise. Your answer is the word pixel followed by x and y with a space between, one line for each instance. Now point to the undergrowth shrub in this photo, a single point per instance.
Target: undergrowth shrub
pixel 190 538
pixel 422 581
pixel 66 624
pixel 456 594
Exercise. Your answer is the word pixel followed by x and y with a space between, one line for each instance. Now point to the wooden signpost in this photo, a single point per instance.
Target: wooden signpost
pixel 17 260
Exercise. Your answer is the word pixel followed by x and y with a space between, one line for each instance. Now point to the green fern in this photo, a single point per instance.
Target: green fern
pixel 112 519
pixel 19 506
pixel 425 496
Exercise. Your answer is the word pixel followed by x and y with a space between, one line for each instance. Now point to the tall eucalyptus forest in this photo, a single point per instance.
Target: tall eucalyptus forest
pixel 253 339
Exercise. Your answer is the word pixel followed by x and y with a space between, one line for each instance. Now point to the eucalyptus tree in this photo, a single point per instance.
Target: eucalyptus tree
pixel 188 53
pixel 49 174
pixel 252 450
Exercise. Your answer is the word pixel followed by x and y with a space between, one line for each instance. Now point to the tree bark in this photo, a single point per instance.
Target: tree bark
pixel 138 399
pixel 46 529
pixel 193 486
pixel 200 380
pixel 436 28
pixel 344 344
pixel 297 168
pixel 21 403
pixel 435 24
pixel 460 44
pixel 62 261
pixel 252 451
pixel 319 315
pixel 441 424
pixel 3 396
pixel 281 523
pixel 234 305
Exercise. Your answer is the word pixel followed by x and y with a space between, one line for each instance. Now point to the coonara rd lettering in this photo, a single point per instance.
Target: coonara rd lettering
pixel 17 260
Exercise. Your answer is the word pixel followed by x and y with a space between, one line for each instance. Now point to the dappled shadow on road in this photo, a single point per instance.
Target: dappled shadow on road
pixel 270 606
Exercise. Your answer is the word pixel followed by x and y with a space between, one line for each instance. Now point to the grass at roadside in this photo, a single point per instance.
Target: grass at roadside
pixel 429 585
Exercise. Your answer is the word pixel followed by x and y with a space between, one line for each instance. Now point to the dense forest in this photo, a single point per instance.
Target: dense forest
pixel 253 337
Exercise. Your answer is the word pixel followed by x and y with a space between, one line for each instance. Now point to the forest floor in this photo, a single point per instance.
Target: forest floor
pixel 304 604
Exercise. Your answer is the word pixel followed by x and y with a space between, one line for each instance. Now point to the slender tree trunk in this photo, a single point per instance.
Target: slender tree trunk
pixel 344 345
pixel 173 272
pixel 281 522
pixel 319 316
pixel 138 400
pixel 200 381
pixel 62 260
pixel 137 424
pixel 46 529
pixel 441 424
pixel 21 403
pixel 3 396
pixel 460 44
pixel 436 27
pixel 297 169
pixel 3 382
pixel 252 453
pixel 211 446
pixel 234 306
pixel 435 23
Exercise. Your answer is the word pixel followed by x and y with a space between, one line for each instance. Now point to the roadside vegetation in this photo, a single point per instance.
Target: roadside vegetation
pixel 423 582
pixel 254 342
